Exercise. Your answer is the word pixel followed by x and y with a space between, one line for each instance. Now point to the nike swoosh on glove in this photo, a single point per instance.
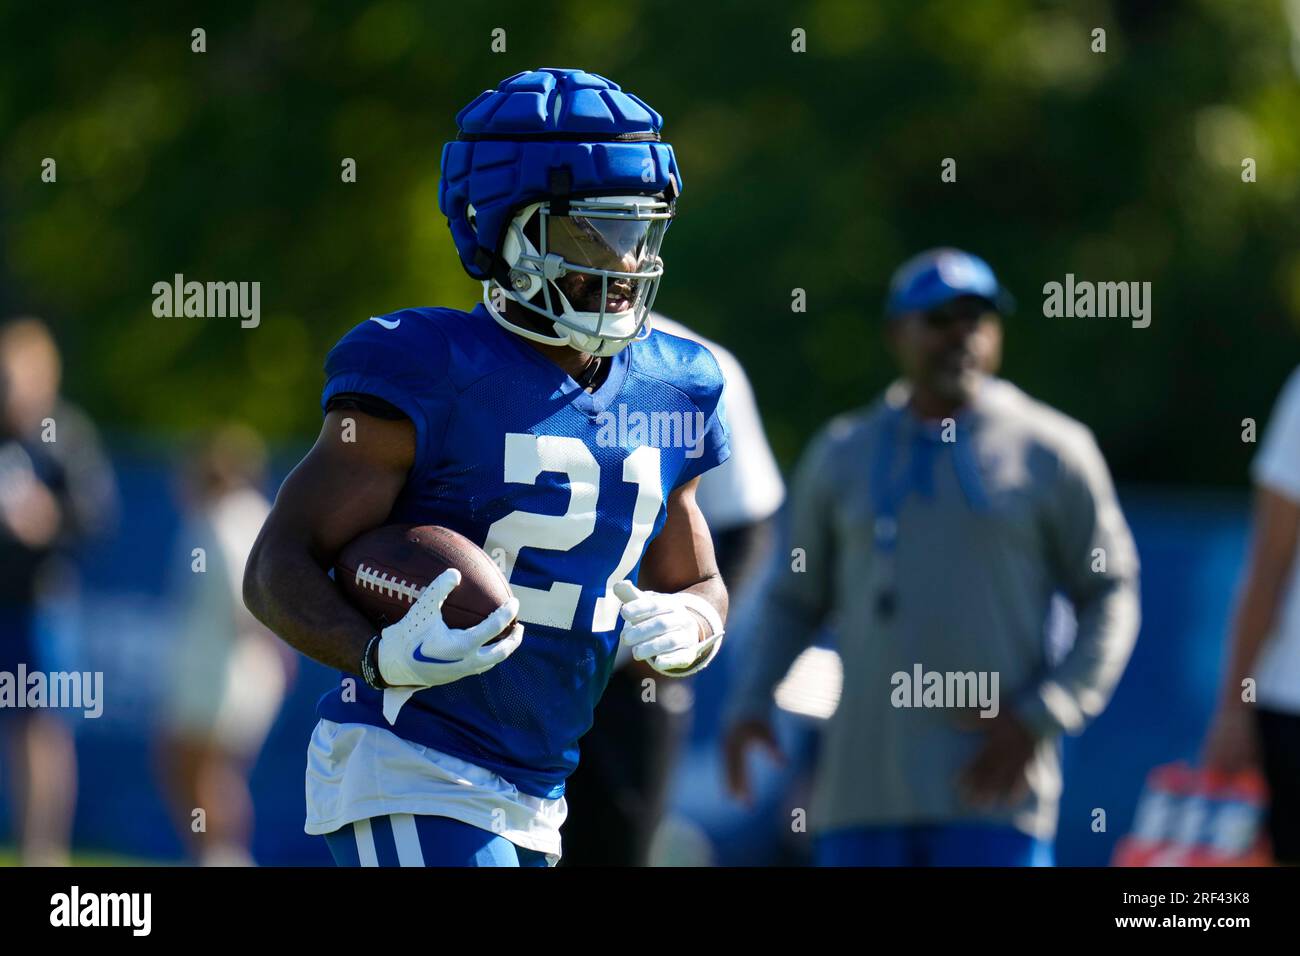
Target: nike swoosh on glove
pixel 661 630
pixel 420 650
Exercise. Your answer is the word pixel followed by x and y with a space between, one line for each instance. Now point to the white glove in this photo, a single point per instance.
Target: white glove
pixel 420 650
pixel 661 629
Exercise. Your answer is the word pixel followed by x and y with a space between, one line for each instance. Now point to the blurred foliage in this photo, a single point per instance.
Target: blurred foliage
pixel 818 171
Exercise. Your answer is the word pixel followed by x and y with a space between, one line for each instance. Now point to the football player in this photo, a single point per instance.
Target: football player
pixel 444 746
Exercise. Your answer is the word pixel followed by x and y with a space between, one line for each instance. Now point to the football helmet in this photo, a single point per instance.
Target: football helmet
pixel 558 193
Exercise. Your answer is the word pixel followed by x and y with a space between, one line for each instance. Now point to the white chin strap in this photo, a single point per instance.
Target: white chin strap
pixel 582 341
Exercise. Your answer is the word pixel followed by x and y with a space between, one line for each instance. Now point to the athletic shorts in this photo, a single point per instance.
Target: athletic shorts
pixel 405 839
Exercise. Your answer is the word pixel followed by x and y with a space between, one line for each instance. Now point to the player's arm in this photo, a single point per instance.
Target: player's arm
pixel 1272 555
pixel 675 619
pixel 339 490
pixel 1230 744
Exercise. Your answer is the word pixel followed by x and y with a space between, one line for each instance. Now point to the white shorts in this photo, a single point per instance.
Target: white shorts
pixel 358 771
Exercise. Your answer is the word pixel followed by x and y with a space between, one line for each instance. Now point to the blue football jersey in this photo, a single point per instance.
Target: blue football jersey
pixel 564 488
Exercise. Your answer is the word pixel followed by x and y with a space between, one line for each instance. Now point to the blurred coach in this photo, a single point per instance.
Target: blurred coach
pixel 936 524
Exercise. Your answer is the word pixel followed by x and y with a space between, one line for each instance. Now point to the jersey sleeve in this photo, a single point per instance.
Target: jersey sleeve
pixel 372 406
pixel 404 365
pixel 713 445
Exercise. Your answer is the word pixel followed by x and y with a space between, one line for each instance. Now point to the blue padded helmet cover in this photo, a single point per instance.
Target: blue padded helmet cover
pixel 545 135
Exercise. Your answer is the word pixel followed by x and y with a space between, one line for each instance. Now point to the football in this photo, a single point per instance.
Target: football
pixel 384 571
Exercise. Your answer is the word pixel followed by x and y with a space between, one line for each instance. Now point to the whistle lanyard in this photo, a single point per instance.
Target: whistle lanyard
pixel 888 493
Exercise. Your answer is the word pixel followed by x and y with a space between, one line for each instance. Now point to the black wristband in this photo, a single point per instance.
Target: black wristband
pixel 370 665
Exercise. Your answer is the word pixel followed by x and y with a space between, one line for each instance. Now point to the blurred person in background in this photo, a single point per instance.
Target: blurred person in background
pixel 56 490
pixel 622 782
pixel 740 497
pixel 936 525
pixel 229 674
pixel 1262 731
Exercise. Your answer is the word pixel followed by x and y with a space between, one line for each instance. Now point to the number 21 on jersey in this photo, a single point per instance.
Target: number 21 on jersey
pixel 528 456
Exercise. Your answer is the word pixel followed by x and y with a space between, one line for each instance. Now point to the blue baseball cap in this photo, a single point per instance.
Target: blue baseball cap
pixel 937 276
